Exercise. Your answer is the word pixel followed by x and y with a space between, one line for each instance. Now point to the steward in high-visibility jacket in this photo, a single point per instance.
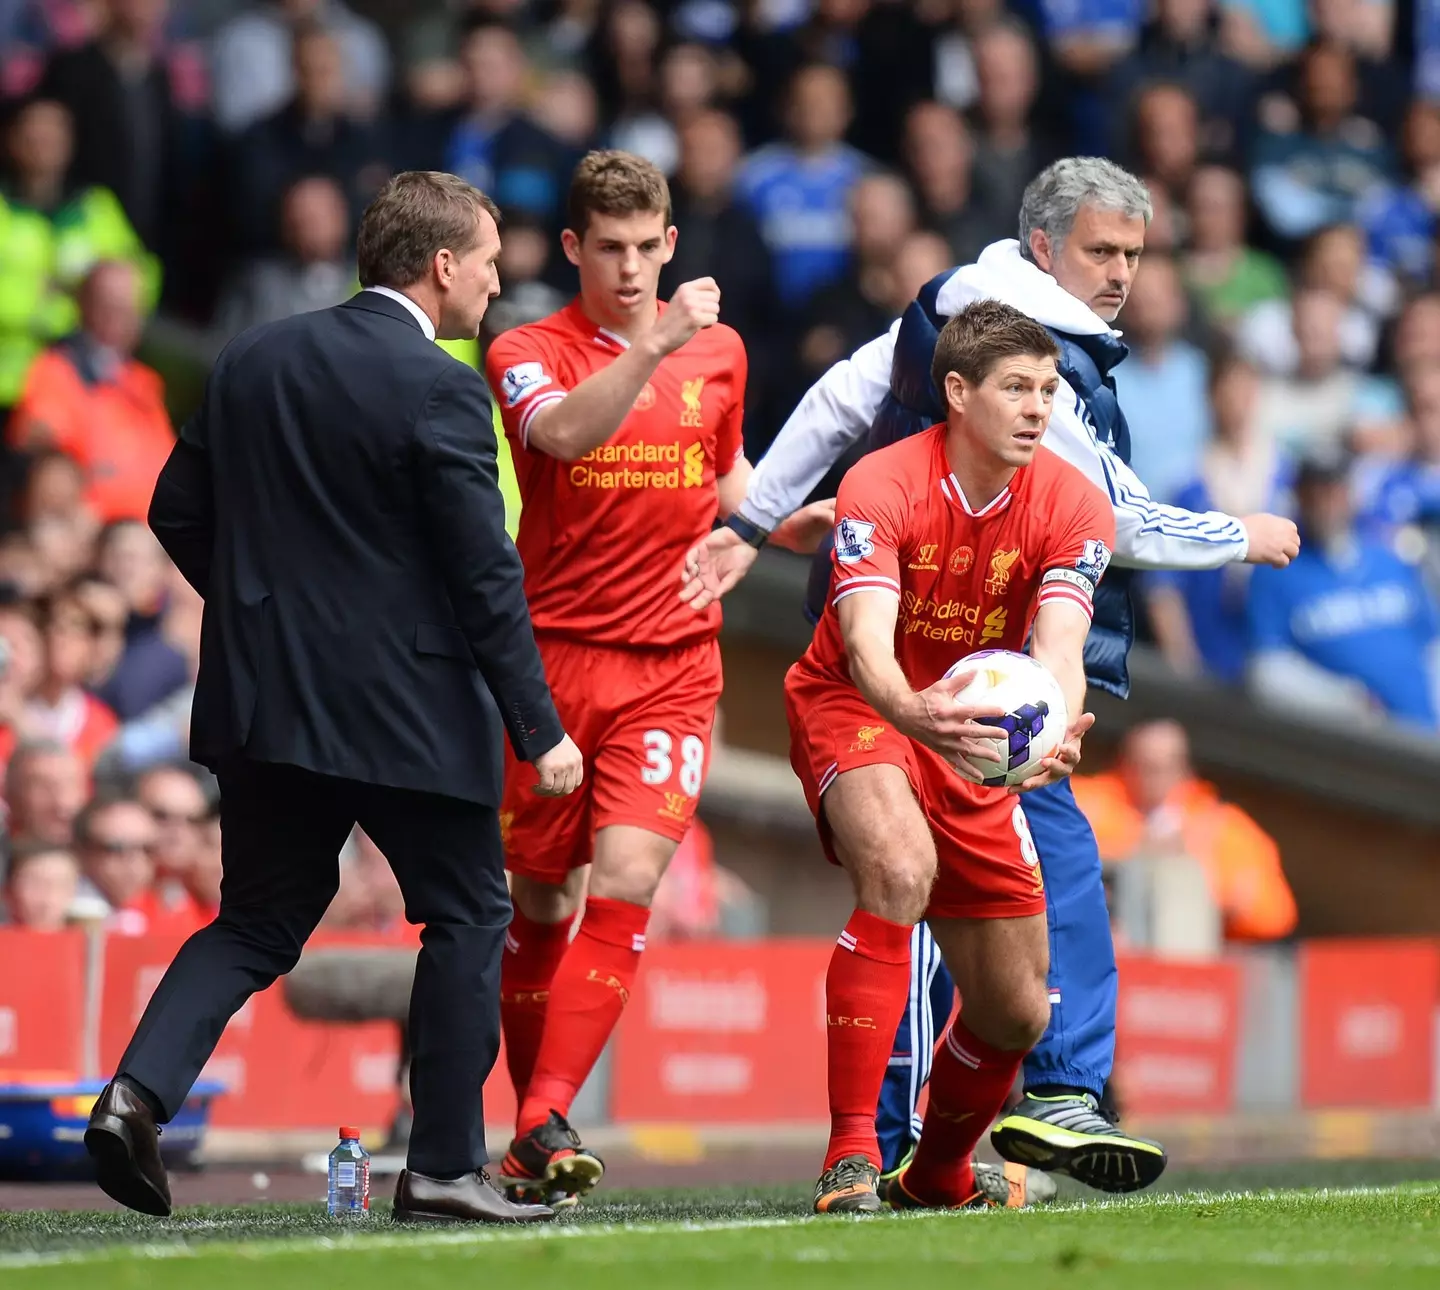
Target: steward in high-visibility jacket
pixel 44 254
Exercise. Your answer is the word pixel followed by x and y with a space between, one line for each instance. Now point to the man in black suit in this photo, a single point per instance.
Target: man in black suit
pixel 335 502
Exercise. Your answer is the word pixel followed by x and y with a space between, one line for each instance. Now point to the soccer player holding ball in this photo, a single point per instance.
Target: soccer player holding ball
pixel 1082 224
pixel 961 538
pixel 624 419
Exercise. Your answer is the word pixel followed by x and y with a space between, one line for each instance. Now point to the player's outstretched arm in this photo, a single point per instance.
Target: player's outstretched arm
pixel 590 413
pixel 1059 643
pixel 801 532
pixel 1151 534
pixel 933 716
pixel 834 413
pixel 721 558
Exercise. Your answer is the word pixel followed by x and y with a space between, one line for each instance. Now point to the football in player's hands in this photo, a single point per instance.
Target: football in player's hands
pixel 1034 721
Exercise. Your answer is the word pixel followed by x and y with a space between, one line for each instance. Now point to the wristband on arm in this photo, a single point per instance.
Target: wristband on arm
pixel 752 534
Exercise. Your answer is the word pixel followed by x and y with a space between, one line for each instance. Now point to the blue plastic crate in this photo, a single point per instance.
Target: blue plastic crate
pixel 42 1130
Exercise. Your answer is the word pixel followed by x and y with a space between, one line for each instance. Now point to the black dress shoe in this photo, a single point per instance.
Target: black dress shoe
pixel 471 1199
pixel 125 1144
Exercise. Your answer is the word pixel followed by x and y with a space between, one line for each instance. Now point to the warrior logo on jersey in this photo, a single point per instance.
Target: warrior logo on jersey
pixel 675 806
pixel 925 557
pixel 519 380
pixel 1000 565
pixel 852 541
pixel 1094 559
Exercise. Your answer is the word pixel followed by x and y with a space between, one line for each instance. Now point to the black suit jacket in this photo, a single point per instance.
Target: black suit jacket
pixel 335 501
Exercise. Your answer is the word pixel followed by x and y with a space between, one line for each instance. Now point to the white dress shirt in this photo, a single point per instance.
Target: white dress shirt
pixel 419 314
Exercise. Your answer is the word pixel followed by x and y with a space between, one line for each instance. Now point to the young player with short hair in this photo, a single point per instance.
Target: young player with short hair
pixel 624 414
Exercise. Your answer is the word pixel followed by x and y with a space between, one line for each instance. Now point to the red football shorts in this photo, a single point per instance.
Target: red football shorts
pixel 642 719
pixel 988 866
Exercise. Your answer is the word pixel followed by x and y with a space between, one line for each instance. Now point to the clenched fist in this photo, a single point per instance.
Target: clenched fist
pixel 1274 540
pixel 694 306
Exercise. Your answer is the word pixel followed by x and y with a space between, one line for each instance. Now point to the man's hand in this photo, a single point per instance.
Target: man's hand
pixel 1274 540
pixel 1066 757
pixel 561 769
pixel 714 565
pixel 953 730
pixel 806 529
pixel 723 557
pixel 694 306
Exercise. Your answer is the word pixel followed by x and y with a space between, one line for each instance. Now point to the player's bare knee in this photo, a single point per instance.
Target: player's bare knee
pixel 895 887
pixel 1029 1017
pixel 1021 1008
pixel 629 863
pixel 892 875
pixel 1012 1021
pixel 547 902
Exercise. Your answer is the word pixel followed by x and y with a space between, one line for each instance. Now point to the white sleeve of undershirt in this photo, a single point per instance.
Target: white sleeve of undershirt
pixel 834 413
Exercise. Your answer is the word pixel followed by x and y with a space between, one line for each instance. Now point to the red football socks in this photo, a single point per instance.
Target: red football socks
pixel 865 996
pixel 968 1085
pixel 587 996
pixel 532 954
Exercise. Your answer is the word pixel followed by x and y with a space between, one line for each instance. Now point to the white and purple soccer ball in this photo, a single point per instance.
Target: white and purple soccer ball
pixel 1035 718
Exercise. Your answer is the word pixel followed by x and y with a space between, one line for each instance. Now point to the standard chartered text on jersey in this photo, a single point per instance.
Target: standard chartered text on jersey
pixel 689 471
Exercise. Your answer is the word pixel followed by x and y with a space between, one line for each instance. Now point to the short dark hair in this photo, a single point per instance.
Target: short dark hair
pixel 611 182
pixel 983 334
pixel 416 214
pixel 84 826
pixel 31 749
pixel 25 853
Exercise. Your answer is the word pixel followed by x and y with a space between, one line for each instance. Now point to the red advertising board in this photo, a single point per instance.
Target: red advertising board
pixel 42 1004
pixel 735 1033
pixel 724 1033
pixel 1177 1035
pixel 1367 1012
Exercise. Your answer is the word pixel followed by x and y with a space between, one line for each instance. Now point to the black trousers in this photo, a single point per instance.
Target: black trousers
pixel 282 831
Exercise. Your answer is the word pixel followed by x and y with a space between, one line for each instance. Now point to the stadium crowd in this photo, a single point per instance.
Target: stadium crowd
pixel 207 163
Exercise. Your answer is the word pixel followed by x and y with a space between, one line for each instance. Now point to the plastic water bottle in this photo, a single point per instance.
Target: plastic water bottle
pixel 349 1177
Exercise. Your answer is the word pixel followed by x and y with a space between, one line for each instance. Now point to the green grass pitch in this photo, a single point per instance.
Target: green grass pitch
pixel 1382 1236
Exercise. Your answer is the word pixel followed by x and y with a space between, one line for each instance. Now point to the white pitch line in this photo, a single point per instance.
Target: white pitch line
pixel 422 1238
pixel 370 1239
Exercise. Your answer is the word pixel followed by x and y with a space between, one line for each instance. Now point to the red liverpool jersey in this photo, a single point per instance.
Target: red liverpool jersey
pixel 966 579
pixel 602 538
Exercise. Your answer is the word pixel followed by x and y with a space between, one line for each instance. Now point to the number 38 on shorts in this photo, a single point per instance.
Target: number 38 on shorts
pixel 660 767
pixel 643 723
